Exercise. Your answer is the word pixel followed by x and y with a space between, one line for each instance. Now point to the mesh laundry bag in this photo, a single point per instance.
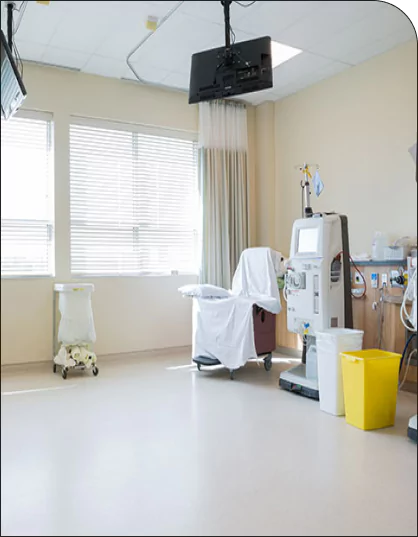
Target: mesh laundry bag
pixel 77 323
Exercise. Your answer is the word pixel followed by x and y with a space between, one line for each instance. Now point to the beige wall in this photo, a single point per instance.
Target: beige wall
pixel 358 126
pixel 131 314
pixel 265 175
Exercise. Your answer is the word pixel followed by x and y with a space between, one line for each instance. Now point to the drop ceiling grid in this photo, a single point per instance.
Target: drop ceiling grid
pixel 96 37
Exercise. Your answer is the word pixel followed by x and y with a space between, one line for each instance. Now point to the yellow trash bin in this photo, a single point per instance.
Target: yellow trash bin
pixel 370 380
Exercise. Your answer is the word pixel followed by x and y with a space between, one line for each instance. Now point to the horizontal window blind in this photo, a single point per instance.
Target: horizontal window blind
pixel 27 227
pixel 134 202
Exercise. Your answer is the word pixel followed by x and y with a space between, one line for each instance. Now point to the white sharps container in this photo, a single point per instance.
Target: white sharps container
pixel 76 330
pixel 329 344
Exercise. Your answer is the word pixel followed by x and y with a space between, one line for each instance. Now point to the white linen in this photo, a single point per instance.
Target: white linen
pixel 256 275
pixel 223 328
pixel 204 290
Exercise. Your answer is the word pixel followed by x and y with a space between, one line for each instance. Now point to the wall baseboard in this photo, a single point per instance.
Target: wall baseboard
pixel 134 355
pixel 105 357
pixel 287 351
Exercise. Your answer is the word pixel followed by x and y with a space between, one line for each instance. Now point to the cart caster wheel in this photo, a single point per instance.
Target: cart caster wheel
pixel 54 368
pixel 64 374
pixel 199 367
pixel 232 374
pixel 268 363
pixel 95 371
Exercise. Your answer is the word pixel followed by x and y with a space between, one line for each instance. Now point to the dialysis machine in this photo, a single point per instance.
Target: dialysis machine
pixel 317 289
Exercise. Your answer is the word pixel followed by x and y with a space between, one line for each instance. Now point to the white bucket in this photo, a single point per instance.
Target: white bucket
pixel 330 343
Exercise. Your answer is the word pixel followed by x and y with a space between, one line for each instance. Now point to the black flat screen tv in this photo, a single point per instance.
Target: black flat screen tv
pixel 219 73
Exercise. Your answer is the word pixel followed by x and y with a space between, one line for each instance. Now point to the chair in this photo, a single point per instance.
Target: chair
pixel 232 327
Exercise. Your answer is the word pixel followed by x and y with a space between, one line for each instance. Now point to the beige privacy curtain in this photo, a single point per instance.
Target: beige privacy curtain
pixel 224 189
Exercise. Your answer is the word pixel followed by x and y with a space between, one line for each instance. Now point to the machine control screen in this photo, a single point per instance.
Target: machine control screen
pixel 308 240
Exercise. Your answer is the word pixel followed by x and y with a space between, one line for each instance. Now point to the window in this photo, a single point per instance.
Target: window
pixel 134 201
pixel 27 196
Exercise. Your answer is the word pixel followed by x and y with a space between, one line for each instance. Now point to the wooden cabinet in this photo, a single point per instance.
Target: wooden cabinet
pixel 378 313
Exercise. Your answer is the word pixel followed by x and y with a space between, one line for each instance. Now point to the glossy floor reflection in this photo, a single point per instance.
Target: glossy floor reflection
pixel 153 447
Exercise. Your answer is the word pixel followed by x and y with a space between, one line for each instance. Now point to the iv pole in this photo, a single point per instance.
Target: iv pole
pixel 307 211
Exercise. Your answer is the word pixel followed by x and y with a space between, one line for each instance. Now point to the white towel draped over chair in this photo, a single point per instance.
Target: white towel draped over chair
pixel 223 328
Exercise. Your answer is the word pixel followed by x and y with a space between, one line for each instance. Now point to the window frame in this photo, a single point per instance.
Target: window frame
pixel 47 117
pixel 142 129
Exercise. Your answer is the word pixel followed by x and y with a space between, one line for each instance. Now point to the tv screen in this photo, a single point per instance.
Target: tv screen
pixel 13 91
pixel 248 70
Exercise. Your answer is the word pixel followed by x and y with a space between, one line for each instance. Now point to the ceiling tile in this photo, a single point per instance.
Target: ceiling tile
pixel 97 36
pixel 379 47
pixel 383 23
pixel 123 36
pixel 187 31
pixel 83 31
pixel 326 21
pixel 186 35
pixel 159 7
pixel 30 51
pixel 328 71
pixel 65 58
pixel 218 39
pixel 169 59
pixel 115 7
pixel 297 68
pixel 39 22
pixel 98 65
pixel 147 72
pixel 213 11
pixel 271 18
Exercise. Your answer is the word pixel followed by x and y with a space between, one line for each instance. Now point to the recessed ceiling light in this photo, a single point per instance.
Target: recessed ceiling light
pixel 281 53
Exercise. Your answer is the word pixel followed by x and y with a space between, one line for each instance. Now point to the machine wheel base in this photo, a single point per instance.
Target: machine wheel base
pixel 412 434
pixel 299 389
pixel 268 362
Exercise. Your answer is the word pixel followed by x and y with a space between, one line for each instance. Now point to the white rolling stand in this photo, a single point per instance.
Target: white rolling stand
pixel 73 328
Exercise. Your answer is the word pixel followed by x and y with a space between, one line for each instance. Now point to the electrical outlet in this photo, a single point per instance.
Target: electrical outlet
pixel 375 280
pixel 384 280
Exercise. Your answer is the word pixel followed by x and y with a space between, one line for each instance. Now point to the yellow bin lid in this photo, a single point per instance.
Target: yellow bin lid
pixel 370 354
